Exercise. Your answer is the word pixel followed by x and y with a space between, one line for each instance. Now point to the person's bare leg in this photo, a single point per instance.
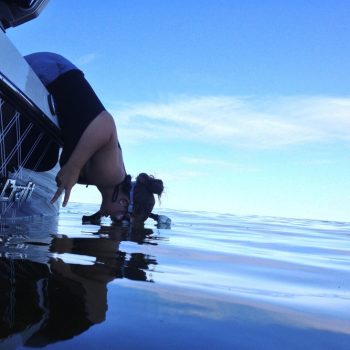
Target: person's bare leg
pixel 98 153
pixel 106 167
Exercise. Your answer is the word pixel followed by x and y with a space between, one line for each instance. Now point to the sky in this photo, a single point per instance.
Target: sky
pixel 239 106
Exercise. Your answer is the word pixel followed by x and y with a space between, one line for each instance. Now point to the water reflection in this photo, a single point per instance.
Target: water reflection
pixel 53 287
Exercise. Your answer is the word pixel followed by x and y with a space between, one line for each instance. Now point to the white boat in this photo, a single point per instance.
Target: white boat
pixel 29 132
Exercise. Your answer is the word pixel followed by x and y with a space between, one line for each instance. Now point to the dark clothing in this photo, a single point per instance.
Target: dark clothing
pixel 48 66
pixel 76 105
pixel 75 101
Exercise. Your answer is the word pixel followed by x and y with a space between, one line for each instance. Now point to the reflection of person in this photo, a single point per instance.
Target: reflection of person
pixel 109 260
pixel 45 302
pixel 105 249
pixel 91 152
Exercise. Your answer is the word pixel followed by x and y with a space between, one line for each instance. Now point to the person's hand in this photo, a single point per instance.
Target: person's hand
pixel 66 178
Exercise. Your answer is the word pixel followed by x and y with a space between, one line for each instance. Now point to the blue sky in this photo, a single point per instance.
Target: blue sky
pixel 240 107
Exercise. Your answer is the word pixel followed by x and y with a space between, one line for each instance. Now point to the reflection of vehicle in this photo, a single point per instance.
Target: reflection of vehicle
pixel 29 133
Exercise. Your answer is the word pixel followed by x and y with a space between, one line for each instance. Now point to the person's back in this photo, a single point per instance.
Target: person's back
pixel 48 66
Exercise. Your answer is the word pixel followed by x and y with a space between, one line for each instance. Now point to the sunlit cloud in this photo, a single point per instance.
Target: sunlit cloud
pixel 240 121
pixel 204 161
pixel 316 162
pixel 199 162
pixel 182 175
pixel 86 59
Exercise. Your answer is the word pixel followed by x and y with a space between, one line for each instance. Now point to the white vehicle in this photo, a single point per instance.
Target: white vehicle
pixel 29 133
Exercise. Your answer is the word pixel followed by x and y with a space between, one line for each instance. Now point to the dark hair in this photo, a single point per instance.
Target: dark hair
pixel 125 186
pixel 143 199
pixel 146 187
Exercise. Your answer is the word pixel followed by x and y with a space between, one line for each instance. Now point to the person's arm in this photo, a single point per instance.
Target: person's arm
pixel 99 133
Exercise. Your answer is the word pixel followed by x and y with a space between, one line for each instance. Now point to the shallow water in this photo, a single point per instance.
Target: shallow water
pixel 211 281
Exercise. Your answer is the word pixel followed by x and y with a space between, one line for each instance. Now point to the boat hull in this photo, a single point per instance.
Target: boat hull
pixel 38 204
pixel 29 139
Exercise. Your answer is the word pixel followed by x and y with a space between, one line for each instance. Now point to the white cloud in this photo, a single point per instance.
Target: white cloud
pixel 181 175
pixel 86 59
pixel 204 161
pixel 240 121
pixel 229 165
